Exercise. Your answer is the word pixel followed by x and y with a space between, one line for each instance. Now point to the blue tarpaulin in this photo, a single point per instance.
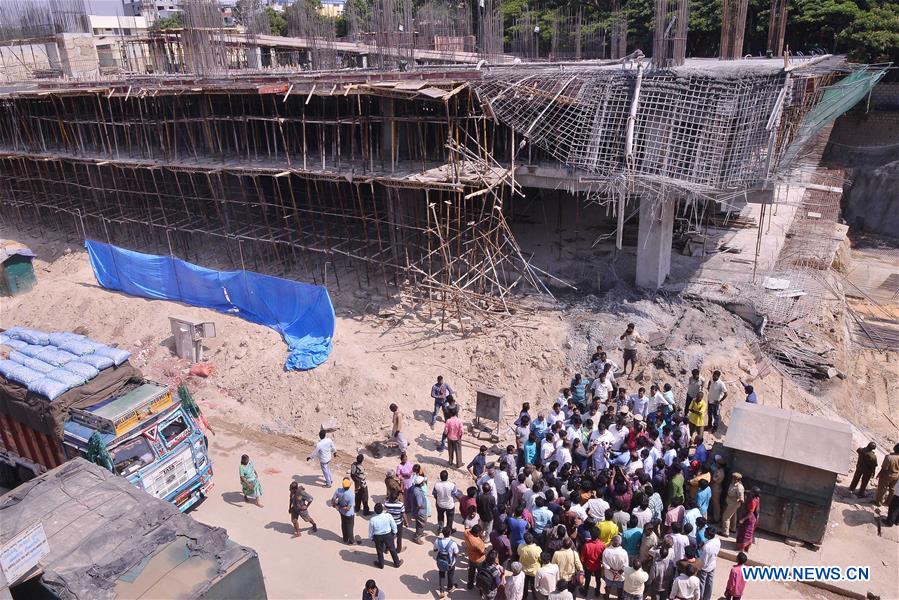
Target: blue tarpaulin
pixel 300 312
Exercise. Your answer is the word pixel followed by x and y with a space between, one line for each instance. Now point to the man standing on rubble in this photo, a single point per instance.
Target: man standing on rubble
pixel 396 431
pixel 439 392
pixel 324 451
pixel 629 340
pixel 694 386
pixel 717 394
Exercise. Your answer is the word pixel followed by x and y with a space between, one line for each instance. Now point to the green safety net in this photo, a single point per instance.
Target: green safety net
pixel 188 402
pixel 97 452
pixel 836 100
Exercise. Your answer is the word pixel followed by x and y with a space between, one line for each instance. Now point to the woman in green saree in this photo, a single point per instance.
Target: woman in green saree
pixel 249 482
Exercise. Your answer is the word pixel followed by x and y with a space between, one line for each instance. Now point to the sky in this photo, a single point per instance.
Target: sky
pixel 104 7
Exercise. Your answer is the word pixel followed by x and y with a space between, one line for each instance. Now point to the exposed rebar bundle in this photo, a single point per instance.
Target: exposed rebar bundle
pixel 444 26
pixel 669 43
pixel 733 28
pixel 40 18
pixel 490 28
pixel 202 39
pixel 619 30
pixel 777 27
pixel 306 22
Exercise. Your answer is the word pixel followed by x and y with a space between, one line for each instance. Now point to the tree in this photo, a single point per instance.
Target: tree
pixel 276 21
pixel 874 35
pixel 175 21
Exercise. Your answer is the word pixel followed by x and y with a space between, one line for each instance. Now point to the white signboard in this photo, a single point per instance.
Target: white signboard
pixel 20 554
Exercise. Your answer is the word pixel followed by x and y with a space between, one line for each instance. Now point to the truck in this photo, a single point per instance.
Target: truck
pixel 80 532
pixel 138 429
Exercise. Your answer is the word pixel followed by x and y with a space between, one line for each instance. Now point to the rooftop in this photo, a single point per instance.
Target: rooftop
pixel 791 436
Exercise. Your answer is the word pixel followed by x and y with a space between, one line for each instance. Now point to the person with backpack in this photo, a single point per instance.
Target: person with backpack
pixel 447 551
pixel 489 576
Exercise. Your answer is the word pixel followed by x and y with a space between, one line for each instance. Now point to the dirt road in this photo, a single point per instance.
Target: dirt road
pixel 319 565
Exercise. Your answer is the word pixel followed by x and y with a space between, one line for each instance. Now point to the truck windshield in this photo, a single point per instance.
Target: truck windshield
pixel 131 456
pixel 173 429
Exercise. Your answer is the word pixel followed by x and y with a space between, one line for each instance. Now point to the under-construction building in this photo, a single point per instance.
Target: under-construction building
pixel 411 176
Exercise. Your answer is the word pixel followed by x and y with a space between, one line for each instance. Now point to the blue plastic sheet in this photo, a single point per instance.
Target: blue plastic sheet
pixel 300 312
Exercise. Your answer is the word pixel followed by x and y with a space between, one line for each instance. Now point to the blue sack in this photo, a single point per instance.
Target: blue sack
pixel 97 361
pixel 67 377
pixel 50 388
pixel 31 336
pixel 117 355
pixel 31 363
pixel 55 357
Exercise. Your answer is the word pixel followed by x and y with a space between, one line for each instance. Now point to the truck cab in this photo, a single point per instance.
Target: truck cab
pixel 152 441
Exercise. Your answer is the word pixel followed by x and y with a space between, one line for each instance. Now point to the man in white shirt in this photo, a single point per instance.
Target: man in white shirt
pixel 708 560
pixel 717 395
pixel 619 431
pixel 629 340
pixel 639 403
pixel 679 542
pixel 686 585
pixel 614 562
pixel 324 451
pixel 501 485
pixel 596 509
pixel 445 494
pixel 601 388
pixel 514 587
pixel 563 454
pixel 555 414
pixel 488 478
pixel 604 440
pixel 547 576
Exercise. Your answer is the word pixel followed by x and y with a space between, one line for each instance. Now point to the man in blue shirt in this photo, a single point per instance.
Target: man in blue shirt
pixel 542 516
pixel 517 528
pixel 631 537
pixel 381 530
pixel 750 393
pixel 703 497
pixel 478 463
pixel 343 500
pixel 539 425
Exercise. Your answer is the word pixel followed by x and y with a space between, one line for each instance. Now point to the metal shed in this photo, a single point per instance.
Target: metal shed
pixel 794 459
pixel 16 269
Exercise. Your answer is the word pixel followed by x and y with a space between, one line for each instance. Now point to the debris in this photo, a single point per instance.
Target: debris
pixel 202 370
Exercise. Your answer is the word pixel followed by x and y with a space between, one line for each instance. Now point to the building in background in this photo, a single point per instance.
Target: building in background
pixel 332 8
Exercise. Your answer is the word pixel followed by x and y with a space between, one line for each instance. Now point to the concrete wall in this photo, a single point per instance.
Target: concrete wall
pixel 78 54
pixel 871 202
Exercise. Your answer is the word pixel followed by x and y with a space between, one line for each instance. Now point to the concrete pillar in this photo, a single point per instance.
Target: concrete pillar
pixel 254 58
pixel 654 238
pixel 53 60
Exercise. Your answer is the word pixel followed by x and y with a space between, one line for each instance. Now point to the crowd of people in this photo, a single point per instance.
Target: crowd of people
pixel 611 489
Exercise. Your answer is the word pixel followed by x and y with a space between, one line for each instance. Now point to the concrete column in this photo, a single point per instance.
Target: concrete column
pixel 254 58
pixel 654 238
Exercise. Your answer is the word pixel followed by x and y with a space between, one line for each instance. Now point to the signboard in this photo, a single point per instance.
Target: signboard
pixel 22 553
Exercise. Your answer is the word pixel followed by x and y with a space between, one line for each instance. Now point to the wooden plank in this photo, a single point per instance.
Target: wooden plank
pixel 272 88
